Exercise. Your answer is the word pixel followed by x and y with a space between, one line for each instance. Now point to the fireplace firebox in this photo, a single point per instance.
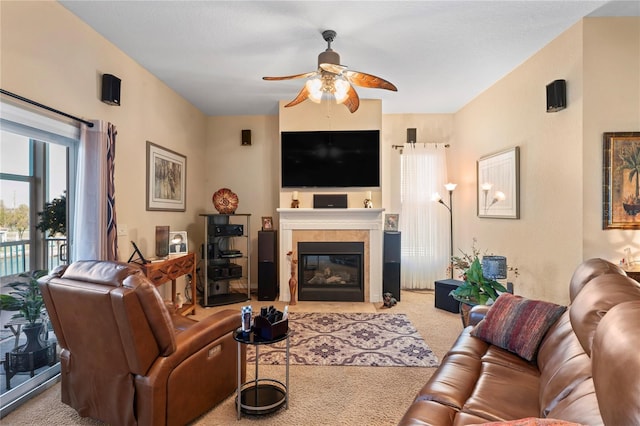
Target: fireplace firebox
pixel 331 271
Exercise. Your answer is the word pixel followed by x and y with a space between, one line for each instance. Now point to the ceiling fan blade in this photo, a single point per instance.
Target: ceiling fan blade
pixel 367 80
pixel 353 101
pixel 332 68
pixel 302 96
pixel 289 77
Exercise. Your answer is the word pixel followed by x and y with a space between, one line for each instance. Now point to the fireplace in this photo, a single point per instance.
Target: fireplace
pixel 329 225
pixel 331 271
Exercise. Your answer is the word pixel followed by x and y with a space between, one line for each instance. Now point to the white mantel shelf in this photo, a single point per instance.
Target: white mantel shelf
pixel 333 219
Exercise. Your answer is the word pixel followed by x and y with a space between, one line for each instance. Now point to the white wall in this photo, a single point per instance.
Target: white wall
pixel 50 56
pixel 611 104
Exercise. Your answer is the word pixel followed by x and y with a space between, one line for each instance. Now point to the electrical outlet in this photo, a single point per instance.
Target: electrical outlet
pixel 123 230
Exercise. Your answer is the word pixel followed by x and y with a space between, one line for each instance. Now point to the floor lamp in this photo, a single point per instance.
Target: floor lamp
pixel 436 197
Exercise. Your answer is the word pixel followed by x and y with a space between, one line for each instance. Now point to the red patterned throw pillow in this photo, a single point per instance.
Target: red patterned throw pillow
pixel 518 324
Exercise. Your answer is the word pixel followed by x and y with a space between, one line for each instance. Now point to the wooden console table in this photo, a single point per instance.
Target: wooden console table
pixel 633 272
pixel 161 271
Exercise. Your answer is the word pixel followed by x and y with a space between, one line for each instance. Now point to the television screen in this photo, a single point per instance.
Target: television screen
pixel 327 159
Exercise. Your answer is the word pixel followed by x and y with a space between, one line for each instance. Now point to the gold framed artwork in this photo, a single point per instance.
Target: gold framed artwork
pixel 166 179
pixel 499 185
pixel 621 180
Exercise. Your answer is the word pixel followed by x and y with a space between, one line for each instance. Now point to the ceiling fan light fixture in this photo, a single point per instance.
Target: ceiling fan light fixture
pixel 340 90
pixel 314 88
pixel 334 80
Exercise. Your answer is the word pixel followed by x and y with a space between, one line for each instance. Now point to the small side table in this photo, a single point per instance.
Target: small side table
pixel 260 396
pixel 443 300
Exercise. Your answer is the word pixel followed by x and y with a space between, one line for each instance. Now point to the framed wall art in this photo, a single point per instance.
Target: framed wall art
pixel 621 180
pixel 499 185
pixel 166 179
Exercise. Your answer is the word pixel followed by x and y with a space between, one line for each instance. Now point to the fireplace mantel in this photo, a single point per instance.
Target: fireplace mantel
pixel 338 220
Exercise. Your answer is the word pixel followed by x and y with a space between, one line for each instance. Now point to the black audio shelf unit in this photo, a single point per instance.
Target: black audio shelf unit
pixel 227 259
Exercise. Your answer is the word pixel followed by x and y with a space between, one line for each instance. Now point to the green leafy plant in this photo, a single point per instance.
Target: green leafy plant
pixel 631 161
pixel 54 216
pixel 25 297
pixel 477 288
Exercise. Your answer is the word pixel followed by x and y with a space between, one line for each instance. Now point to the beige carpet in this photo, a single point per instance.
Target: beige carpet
pixel 318 395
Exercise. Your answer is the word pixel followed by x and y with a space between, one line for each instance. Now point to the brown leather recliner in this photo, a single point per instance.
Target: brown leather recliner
pixel 125 358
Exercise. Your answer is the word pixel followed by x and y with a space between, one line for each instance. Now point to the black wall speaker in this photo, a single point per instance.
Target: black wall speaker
pixel 246 137
pixel 412 135
pixel 556 95
pixel 267 265
pixel 110 89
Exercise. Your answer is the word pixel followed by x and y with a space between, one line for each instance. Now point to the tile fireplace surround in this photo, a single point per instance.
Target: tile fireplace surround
pixel 356 224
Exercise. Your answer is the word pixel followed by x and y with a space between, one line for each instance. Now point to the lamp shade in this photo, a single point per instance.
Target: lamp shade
pixel 494 267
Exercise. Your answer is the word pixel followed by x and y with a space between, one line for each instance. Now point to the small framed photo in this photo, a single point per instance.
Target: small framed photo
pixel 391 222
pixel 267 223
pixel 178 242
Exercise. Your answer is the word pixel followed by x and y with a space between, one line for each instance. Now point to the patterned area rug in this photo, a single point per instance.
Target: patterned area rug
pixel 383 340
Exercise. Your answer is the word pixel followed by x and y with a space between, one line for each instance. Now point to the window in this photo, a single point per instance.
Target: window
pixel 37 166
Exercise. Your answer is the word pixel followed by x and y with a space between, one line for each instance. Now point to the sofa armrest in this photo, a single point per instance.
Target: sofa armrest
pixel 477 314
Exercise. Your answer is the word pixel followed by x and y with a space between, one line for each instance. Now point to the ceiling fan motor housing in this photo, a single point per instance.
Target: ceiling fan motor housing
pixel 329 56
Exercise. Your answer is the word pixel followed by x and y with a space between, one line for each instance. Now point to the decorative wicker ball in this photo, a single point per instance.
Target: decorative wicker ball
pixel 225 201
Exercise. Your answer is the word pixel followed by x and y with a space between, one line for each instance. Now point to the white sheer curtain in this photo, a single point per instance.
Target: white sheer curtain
pixel 424 224
pixel 94 228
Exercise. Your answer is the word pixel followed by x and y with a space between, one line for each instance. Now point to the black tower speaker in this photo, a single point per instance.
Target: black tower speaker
pixel 556 95
pixel 110 89
pixel 391 264
pixel 267 265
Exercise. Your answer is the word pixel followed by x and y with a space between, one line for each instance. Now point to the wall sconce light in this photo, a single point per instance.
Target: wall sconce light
pixel 450 187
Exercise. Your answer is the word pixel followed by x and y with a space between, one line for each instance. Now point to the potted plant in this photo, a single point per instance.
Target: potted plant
pixel 53 218
pixel 476 289
pixel 26 299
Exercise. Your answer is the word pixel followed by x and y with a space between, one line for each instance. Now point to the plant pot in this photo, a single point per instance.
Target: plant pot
pixel 34 338
pixel 631 209
pixel 465 308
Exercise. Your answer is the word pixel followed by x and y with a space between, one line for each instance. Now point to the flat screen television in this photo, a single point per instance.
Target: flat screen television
pixel 330 159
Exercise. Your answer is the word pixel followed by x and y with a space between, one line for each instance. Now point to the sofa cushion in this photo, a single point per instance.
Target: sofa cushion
pixel 518 324
pixel 530 421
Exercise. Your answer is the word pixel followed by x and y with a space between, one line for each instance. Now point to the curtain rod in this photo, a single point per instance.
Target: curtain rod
pixel 413 143
pixel 38 104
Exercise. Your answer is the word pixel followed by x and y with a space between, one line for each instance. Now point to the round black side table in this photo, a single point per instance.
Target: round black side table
pixel 261 395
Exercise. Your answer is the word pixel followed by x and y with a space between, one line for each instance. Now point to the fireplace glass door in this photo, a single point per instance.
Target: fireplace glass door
pixel 331 271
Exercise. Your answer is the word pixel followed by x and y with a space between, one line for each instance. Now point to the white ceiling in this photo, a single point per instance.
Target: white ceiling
pixel 440 54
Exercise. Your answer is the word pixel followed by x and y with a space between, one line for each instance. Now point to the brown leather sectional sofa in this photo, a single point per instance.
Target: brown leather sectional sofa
pixel 587 369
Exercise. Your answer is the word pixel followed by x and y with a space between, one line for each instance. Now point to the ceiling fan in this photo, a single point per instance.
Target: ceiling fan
pixel 334 79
